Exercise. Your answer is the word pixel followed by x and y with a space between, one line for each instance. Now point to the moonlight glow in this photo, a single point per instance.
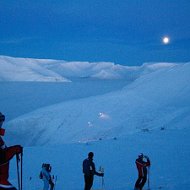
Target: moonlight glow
pixel 165 40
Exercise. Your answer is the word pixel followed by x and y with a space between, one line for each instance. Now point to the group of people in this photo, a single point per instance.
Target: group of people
pixel 142 162
pixel 89 169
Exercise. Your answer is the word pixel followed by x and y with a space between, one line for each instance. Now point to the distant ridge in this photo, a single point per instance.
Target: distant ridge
pixel 47 70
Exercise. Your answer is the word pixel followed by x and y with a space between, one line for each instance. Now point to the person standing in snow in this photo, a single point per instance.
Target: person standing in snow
pixel 89 171
pixel 142 171
pixel 6 154
pixel 46 177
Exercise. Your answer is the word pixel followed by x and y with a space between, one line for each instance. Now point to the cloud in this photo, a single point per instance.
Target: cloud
pixel 17 40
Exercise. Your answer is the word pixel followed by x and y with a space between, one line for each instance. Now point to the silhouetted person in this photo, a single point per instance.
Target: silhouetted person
pixel 142 171
pixel 46 177
pixel 89 171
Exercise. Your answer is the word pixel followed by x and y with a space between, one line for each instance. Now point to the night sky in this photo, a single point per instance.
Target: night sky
pixel 127 32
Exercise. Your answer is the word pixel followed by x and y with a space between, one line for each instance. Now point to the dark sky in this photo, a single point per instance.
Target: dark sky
pixel 127 32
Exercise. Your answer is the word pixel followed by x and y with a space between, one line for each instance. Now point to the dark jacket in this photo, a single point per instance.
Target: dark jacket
pixel 141 166
pixel 89 168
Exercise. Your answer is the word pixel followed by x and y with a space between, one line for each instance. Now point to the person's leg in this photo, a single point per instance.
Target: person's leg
pixel 46 185
pixel 87 182
pixel 91 181
pixel 51 185
pixel 143 182
pixel 137 184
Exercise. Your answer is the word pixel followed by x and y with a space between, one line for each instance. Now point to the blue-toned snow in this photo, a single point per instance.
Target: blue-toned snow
pixel 59 111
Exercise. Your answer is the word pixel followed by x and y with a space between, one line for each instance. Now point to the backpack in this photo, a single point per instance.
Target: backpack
pixel 41 175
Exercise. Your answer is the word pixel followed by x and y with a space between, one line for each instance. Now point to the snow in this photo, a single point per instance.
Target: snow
pixel 70 108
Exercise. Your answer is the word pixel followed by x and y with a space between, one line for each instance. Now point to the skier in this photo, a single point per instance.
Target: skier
pixel 142 170
pixel 89 171
pixel 46 177
pixel 6 154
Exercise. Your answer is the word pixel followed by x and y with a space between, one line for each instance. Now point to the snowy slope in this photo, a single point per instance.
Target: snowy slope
pixel 167 149
pixel 157 100
pixel 147 110
pixel 49 81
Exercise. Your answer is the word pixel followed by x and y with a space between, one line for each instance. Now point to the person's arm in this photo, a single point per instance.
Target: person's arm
pixel 148 161
pixel 97 173
pixel 12 151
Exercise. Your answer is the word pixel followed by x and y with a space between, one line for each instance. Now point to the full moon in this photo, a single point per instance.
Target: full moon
pixel 165 40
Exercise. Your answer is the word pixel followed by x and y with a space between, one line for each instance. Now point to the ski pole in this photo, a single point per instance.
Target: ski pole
pixel 103 183
pixel 148 177
pixel 102 171
pixel 21 170
pixel 55 181
pixel 18 173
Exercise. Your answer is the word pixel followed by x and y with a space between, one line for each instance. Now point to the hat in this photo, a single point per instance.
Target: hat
pixel 90 154
pixel 2 117
pixel 140 155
